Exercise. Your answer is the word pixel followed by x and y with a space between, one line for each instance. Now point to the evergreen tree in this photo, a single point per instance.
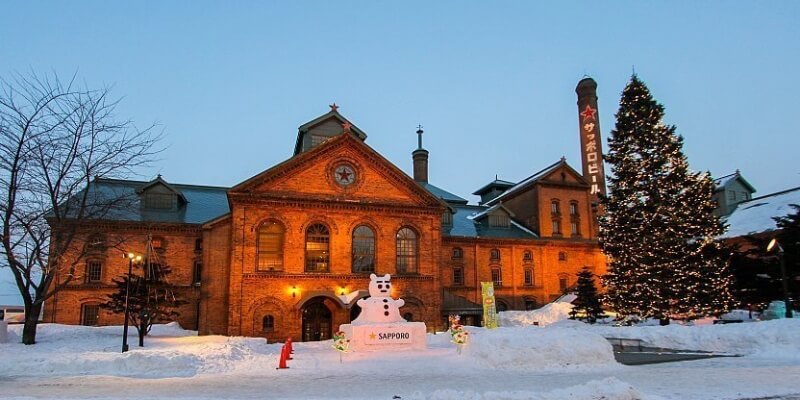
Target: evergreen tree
pixel 789 238
pixel 586 306
pixel 152 299
pixel 658 229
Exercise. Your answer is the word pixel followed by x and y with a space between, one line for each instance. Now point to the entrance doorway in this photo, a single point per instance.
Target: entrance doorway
pixel 317 321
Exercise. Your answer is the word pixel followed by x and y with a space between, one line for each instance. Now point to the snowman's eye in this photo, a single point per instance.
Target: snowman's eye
pixel 387 285
pixel 380 286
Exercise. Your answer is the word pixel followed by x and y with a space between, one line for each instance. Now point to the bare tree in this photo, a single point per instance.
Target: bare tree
pixel 55 138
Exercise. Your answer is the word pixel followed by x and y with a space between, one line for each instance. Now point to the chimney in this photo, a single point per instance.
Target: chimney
pixel 591 143
pixel 420 157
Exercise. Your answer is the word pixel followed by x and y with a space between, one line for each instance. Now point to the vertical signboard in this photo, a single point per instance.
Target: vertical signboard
pixel 489 309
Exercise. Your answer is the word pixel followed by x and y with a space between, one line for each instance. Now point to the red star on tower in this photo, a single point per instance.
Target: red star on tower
pixel 334 107
pixel 588 113
pixel 347 125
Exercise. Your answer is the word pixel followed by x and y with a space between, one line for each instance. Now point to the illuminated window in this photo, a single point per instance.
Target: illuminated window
pixel 406 247
pixel 90 314
pixel 317 248
pixel 363 249
pixel 157 243
pixel 270 247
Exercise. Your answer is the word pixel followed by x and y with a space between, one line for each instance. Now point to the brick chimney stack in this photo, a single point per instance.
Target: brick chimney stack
pixel 420 157
pixel 591 143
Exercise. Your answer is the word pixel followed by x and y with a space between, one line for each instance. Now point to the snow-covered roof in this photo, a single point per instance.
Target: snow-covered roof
pixel 756 215
pixel 723 181
pixel 527 181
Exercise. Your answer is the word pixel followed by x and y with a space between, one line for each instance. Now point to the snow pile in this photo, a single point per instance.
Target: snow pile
pixel 550 313
pixel 606 389
pixel 777 338
pixel 538 348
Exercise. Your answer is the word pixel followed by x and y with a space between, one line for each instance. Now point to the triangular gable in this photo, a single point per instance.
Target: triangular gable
pixel 499 207
pixel 293 174
pixel 550 174
pixel 333 116
pixel 161 182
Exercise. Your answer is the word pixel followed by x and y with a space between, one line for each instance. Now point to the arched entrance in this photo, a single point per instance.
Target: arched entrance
pixel 317 320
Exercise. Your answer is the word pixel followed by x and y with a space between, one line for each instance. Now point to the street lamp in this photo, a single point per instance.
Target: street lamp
pixel 131 258
pixel 773 244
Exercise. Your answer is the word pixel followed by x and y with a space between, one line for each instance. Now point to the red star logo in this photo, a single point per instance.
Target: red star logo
pixel 588 113
pixel 347 125
pixel 334 107
pixel 344 175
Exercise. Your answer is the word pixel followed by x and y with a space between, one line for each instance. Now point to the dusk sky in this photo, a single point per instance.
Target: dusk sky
pixel 492 83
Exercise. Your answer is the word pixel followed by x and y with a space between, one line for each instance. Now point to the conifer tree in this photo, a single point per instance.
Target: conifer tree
pixel 658 229
pixel 152 299
pixel 586 306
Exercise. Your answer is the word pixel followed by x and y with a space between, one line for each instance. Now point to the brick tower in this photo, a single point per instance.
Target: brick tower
pixel 591 144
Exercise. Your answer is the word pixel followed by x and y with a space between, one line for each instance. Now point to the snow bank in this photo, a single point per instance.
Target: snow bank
pixel 550 313
pixel 606 389
pixel 777 338
pixel 538 348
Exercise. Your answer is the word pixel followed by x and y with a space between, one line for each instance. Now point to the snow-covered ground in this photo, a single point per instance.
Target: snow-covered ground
pixel 563 360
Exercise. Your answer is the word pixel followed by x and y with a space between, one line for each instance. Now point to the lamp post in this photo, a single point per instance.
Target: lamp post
pixel 131 258
pixel 773 244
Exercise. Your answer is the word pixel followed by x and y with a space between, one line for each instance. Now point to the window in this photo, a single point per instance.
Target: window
pixel 573 208
pixel 563 283
pixel 494 255
pixel 732 196
pixel 90 314
pixel 458 254
pixel 528 277
pixel 406 251
pixel 501 306
pixel 527 256
pixel 458 276
pixel 95 243
pixel 447 218
pixel 745 195
pixel 317 248
pixel 160 201
pixel 94 271
pixel 530 304
pixel 363 249
pixel 554 207
pixel 157 243
pixel 153 271
pixel 556 227
pixel 562 256
pixel 270 247
pixel 267 323
pixel 574 229
pixel 198 244
pixel 497 277
pixel 197 273
pixel 408 317
pixel 499 221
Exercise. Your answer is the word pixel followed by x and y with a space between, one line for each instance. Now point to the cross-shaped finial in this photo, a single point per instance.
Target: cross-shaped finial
pixel 419 136
pixel 334 107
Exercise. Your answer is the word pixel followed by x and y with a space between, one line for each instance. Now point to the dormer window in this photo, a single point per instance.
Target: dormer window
pixel 499 220
pixel 160 201
pixel 447 218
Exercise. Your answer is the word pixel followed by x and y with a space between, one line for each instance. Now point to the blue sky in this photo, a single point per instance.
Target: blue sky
pixel 492 83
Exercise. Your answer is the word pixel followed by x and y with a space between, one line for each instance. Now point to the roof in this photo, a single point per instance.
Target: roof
pixel 491 209
pixel 756 215
pixel 443 194
pixel 460 305
pixel 533 179
pixel 466 225
pixel 203 203
pixel 723 181
pixel 499 183
pixel 303 129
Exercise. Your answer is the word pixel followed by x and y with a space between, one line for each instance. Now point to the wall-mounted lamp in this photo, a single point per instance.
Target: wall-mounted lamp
pixel 341 291
pixel 294 291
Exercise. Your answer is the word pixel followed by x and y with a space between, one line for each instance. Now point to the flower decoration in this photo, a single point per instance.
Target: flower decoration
pixel 340 342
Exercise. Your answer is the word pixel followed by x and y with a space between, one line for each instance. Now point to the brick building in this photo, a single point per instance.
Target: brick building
pixel 289 251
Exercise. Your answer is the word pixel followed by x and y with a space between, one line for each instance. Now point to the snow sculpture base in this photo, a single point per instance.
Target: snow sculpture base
pixel 3 332
pixel 382 337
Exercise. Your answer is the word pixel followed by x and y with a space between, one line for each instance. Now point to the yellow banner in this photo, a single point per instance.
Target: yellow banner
pixel 489 309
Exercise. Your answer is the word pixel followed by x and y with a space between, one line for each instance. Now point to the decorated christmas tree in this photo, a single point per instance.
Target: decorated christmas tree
pixel 658 229
pixel 586 306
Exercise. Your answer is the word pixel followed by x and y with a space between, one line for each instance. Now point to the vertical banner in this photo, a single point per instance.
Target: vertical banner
pixel 489 309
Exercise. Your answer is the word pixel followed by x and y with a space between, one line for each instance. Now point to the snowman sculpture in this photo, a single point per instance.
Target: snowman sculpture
pixel 379 307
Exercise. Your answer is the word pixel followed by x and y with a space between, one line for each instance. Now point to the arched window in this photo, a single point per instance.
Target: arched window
pixel 528 277
pixel 497 277
pixel 318 248
pixel 408 317
pixel 363 249
pixel 494 255
pixel 268 323
pixel 554 207
pixel 406 251
pixel 573 208
pixel 270 247
pixel 527 257
pixel 457 253
pixel 501 305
